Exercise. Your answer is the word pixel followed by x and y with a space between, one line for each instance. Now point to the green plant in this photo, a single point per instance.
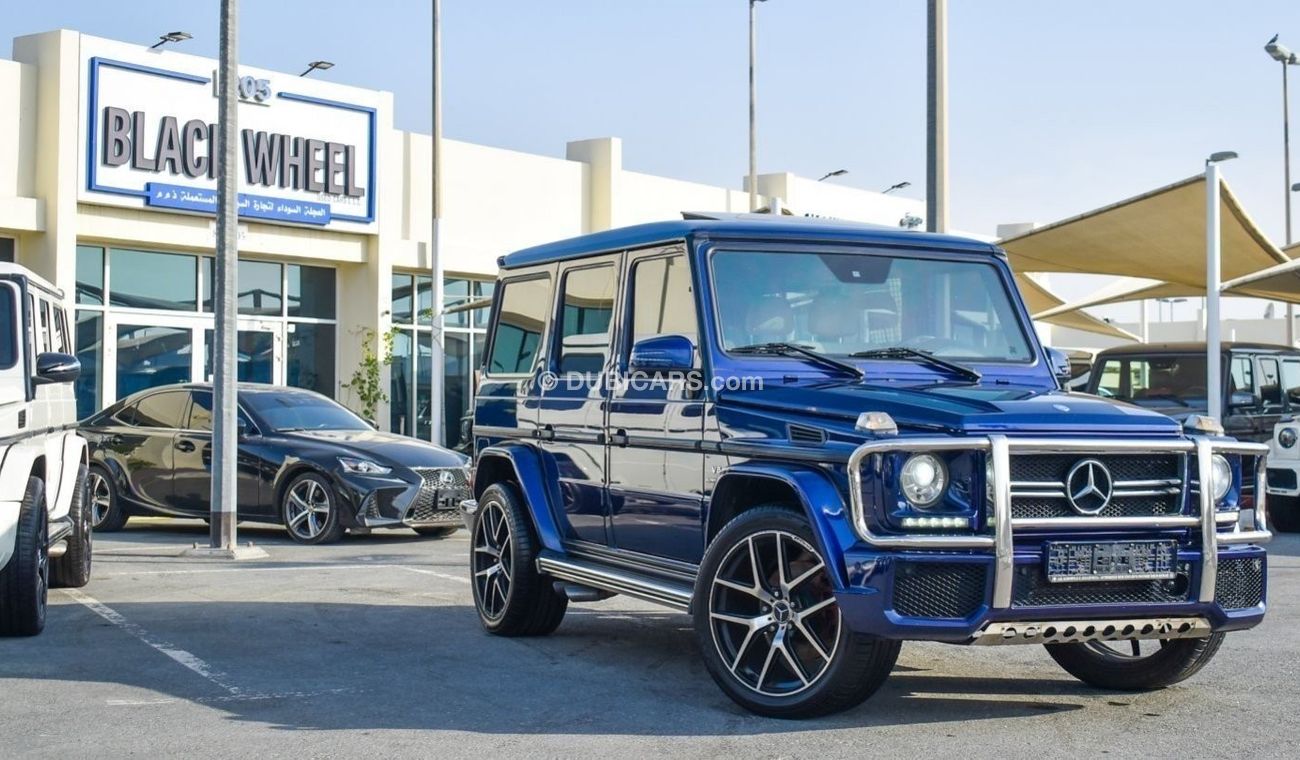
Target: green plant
pixel 366 382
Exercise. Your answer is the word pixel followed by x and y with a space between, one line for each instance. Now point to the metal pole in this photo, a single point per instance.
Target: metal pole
pixel 1212 277
pixel 753 95
pixel 936 146
pixel 1286 171
pixel 225 431
pixel 435 240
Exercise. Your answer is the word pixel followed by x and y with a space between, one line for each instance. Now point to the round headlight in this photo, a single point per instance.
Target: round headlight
pixel 1220 476
pixel 923 479
pixel 1286 437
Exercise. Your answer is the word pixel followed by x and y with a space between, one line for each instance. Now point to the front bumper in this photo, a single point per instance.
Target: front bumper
pixel 975 588
pixel 429 499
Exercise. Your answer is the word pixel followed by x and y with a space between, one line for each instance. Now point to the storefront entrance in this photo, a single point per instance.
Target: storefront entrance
pixel 148 350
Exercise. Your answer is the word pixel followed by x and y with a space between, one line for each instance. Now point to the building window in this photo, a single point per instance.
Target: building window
pixel 411 392
pixel 144 319
pixel 8 250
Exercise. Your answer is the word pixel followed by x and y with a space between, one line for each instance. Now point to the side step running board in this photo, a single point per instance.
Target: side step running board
pixel 60 529
pixel 618 581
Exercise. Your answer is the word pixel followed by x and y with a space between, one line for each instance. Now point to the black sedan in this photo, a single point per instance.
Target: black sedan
pixel 305 462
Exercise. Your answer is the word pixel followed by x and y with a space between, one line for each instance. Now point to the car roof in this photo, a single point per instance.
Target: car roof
pixel 243 388
pixel 8 269
pixel 1192 347
pixel 738 226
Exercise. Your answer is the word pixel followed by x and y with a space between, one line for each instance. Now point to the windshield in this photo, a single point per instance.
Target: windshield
pixel 847 303
pixel 1155 380
pixel 282 412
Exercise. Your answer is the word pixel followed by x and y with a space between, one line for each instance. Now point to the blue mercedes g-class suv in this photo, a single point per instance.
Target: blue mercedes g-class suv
pixel 823 439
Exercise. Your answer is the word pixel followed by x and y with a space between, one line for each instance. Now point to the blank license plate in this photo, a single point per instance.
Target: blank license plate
pixel 1111 561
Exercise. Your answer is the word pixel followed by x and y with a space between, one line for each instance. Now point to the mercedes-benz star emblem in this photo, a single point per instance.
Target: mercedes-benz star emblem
pixel 1089 487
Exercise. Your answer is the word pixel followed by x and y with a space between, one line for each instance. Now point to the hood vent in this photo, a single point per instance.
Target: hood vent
pixel 808 436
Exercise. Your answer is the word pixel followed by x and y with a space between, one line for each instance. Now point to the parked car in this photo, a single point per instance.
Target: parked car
pixel 45 536
pixel 1080 367
pixel 1284 475
pixel 823 439
pixel 305 462
pixel 1261 382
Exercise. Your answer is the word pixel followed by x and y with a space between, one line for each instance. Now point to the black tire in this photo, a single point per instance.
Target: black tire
pixel 72 570
pixel 827 667
pixel 511 597
pixel 25 580
pixel 1105 666
pixel 441 531
pixel 1284 513
pixel 107 513
pixel 310 510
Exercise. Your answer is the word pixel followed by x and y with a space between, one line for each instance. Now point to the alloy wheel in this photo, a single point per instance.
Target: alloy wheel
pixel 773 617
pixel 308 509
pixel 42 568
pixel 101 498
pixel 492 563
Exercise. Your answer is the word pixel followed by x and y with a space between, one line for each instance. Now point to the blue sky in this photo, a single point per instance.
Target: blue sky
pixel 1056 107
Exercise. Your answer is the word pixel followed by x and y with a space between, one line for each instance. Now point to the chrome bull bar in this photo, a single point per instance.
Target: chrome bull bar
pixel 1002 543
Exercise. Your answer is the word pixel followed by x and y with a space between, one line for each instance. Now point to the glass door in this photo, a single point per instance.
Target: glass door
pixel 148 351
pixel 260 349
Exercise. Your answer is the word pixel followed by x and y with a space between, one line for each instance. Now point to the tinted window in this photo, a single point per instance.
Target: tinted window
pixel 663 302
pixel 1243 375
pixel 1270 384
pixel 90 274
pixel 587 309
pixel 201 413
pixel 402 299
pixel 1157 381
pixel 160 410
pixel 283 412
pixel 309 361
pixel 147 280
pixel 9 322
pixel 1291 379
pixel 61 342
pixel 47 330
pixel 90 338
pixel 1109 383
pixel 519 327
pixel 311 292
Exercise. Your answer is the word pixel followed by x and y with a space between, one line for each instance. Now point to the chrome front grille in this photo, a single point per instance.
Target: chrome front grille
pixel 1032 589
pixel 439 497
pixel 1145 484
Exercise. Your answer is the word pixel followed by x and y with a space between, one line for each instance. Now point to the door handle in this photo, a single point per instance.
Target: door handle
pixel 618 438
pixel 186 446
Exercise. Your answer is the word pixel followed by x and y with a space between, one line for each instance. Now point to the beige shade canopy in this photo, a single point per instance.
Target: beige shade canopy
pixel 1040 299
pixel 1158 235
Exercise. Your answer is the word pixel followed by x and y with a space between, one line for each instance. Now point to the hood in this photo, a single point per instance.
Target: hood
pixel 382 448
pixel 982 408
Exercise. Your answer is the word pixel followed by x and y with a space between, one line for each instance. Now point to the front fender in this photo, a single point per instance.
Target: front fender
pixel 822 503
pixel 536 485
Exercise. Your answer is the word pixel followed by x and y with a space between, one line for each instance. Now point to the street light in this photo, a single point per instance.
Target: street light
pixel 1213 276
pixel 898 186
pixel 836 173
pixel 171 37
pixel 753 129
pixel 317 66
pixel 1280 53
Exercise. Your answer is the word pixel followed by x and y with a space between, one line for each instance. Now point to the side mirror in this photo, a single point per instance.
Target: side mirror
pixel 53 367
pixel 1240 400
pixel 241 426
pixel 662 354
pixel 373 425
pixel 1060 363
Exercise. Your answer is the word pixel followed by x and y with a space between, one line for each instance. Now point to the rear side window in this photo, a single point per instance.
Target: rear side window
pixel 1111 378
pixel 9 321
pixel 585 319
pixel 46 328
pixel 1243 375
pixel 1270 384
pixel 518 332
pixel 1291 380
pixel 161 410
pixel 201 413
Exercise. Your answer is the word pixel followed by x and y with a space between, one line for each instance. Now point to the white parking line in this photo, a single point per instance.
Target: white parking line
pixel 434 573
pixel 284 568
pixel 184 658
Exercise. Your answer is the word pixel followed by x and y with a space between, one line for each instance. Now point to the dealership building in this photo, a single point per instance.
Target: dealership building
pixel 107 188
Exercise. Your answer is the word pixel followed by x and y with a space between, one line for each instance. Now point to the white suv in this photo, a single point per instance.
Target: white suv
pixel 1284 475
pixel 45 535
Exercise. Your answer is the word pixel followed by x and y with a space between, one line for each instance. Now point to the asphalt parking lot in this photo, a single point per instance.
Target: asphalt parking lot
pixel 371 648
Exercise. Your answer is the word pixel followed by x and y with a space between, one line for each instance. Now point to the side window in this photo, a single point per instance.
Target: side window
pixel 61 342
pixel 586 313
pixel 1291 381
pixel 201 412
pixel 1270 384
pixel 46 327
pixel 663 302
pixel 518 332
pixel 161 410
pixel 10 319
pixel 1111 377
pixel 1243 376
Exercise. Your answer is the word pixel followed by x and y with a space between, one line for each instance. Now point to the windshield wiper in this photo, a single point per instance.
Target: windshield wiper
pixel 788 349
pixel 905 352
